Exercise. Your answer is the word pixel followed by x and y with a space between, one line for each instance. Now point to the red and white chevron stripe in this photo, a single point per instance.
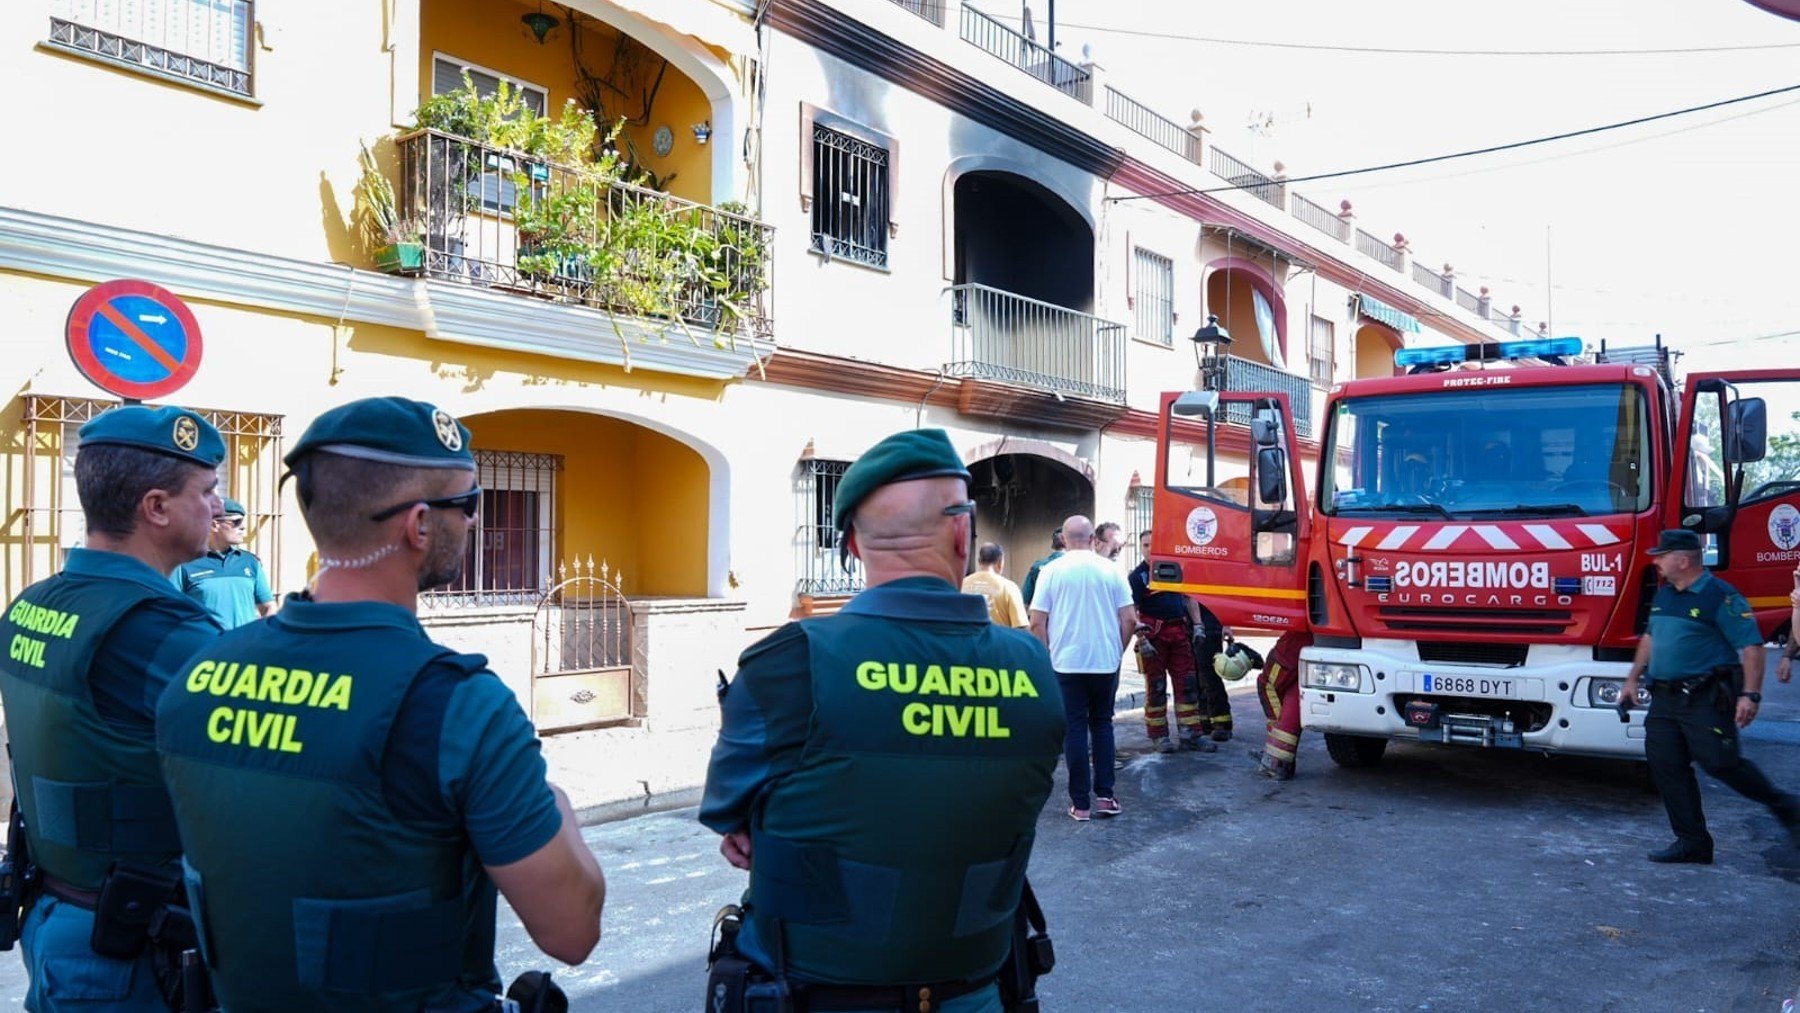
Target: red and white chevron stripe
pixel 1465 537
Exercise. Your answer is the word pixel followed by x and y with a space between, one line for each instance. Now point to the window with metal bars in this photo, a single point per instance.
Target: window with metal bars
pixel 1321 340
pixel 849 196
pixel 1138 511
pixel 1154 299
pixel 511 554
pixel 205 42
pixel 48 520
pixel 816 540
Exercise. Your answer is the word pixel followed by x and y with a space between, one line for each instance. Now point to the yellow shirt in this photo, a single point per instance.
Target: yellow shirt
pixel 1006 606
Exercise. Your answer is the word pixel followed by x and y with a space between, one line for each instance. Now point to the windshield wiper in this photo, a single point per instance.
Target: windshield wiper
pixel 1426 507
pixel 1536 509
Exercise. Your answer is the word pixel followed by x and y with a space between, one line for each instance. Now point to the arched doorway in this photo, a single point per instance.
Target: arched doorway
pixel 1022 495
pixel 564 485
pixel 1250 306
pixel 1375 348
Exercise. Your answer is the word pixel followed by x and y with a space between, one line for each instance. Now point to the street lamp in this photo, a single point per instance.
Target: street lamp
pixel 1212 347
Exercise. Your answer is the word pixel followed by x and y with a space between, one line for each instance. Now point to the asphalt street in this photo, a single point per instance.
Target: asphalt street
pixel 1444 879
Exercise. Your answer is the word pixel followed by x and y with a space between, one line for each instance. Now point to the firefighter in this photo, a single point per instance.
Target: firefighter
pixel 1166 654
pixel 1278 690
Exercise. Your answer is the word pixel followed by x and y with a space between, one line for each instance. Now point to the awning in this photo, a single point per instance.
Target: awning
pixel 1381 312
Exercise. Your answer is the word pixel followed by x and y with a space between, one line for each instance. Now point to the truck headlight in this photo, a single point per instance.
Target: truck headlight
pixel 1605 693
pixel 1333 675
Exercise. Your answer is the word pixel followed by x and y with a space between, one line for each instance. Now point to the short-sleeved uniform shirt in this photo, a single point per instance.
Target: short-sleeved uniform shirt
pixel 231 584
pixel 1695 629
pixel 1005 605
pixel 1082 594
pixel 1164 605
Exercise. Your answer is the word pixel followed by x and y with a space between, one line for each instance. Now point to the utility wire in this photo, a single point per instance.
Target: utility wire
pixel 1409 51
pixel 1400 51
pixel 1491 149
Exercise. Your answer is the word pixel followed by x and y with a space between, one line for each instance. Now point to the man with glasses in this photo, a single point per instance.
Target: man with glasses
pixel 350 793
pixel 879 772
pixel 228 580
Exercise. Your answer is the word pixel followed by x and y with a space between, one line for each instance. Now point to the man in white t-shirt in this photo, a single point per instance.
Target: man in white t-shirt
pixel 1082 611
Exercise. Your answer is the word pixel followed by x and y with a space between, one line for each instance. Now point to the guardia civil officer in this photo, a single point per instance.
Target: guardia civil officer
pixel 350 792
pixel 91 647
pixel 880 772
pixel 1699 628
pixel 228 579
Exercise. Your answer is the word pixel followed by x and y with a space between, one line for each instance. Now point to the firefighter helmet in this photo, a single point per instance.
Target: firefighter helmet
pixel 1236 661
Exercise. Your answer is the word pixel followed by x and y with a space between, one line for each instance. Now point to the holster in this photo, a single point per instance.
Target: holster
pixel 736 984
pixel 17 878
pixel 534 992
pixel 131 899
pixel 1032 956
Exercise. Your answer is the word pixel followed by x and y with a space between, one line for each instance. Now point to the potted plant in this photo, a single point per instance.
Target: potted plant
pixel 396 242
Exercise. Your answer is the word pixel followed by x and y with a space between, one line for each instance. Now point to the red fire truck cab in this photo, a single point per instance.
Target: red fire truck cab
pixel 1470 552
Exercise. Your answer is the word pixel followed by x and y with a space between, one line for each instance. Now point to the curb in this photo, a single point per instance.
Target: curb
pixel 624 809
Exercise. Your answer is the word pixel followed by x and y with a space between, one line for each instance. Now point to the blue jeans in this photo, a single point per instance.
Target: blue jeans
pixel 1088 706
pixel 65 972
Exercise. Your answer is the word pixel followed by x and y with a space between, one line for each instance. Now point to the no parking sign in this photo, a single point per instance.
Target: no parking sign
pixel 134 339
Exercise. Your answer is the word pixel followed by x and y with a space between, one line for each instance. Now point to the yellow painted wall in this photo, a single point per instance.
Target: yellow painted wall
pixel 626 495
pixel 1374 352
pixel 297 367
pixel 488 33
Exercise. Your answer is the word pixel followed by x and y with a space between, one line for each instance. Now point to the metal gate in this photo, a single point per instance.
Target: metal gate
pixel 583 671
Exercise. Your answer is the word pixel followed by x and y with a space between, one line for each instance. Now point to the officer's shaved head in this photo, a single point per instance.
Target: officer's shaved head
pixel 901 530
pixel 338 496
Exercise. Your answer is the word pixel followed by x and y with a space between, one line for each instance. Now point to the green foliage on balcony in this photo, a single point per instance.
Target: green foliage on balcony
pixel 587 227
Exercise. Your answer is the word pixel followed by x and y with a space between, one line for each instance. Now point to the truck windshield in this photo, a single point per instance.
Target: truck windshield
pixel 1502 452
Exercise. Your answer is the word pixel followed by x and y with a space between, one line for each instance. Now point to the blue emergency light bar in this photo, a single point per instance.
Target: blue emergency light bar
pixel 1450 355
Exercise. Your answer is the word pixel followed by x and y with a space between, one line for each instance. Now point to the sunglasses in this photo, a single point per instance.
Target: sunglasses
pixel 235 522
pixel 468 502
pixel 965 507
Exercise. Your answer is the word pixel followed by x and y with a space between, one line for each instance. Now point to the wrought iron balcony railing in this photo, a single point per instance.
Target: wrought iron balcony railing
pixel 1025 54
pixel 997 335
pixel 1244 375
pixel 501 219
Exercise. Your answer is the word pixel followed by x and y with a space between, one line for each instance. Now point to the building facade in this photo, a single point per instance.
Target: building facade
pixel 797 226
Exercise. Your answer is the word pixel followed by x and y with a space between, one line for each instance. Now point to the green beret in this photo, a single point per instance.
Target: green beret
pixel 902 457
pixel 391 430
pixel 175 432
pixel 233 508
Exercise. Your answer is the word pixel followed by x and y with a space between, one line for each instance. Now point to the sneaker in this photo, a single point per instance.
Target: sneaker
pixel 1221 735
pixel 1163 745
pixel 1104 806
pixel 1080 815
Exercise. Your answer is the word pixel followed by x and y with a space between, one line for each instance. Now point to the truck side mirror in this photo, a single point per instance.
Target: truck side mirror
pixel 1196 402
pixel 1271 475
pixel 1263 431
pixel 1746 430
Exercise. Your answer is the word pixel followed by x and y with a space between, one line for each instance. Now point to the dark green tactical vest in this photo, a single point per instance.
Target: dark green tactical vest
pixel 895 853
pixel 90 793
pixel 309 892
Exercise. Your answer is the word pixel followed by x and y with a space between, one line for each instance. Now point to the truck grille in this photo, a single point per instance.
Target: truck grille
pixel 1456 620
pixel 1499 655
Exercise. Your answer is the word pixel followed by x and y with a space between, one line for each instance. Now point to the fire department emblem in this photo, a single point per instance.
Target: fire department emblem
pixel 186 434
pixel 447 433
pixel 1784 526
pixel 1202 525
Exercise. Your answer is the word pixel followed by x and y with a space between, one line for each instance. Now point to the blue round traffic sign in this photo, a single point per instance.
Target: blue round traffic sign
pixel 134 339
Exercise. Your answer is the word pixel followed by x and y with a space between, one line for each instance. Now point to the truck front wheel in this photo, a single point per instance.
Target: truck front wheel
pixel 1354 750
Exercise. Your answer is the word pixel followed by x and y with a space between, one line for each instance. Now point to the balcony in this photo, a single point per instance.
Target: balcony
pixel 1244 375
pixel 1012 339
pixel 499 218
pixel 1025 54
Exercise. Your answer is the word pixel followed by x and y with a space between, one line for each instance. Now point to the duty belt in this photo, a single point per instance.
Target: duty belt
pixel 86 899
pixel 906 998
pixel 1686 687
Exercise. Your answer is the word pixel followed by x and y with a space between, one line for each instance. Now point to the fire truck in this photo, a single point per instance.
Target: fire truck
pixel 1470 555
